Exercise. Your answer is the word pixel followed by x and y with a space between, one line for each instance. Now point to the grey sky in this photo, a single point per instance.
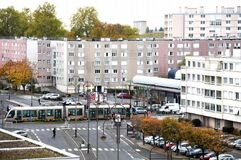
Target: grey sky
pixel 122 11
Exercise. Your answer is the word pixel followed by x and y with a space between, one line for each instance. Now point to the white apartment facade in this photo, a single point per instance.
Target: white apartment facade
pixel 195 23
pixel 105 63
pixel 211 90
pixel 141 26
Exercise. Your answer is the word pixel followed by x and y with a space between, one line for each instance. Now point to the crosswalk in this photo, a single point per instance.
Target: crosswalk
pixel 50 129
pixel 83 148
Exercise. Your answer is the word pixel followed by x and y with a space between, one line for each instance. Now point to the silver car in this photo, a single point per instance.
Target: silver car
pixel 21 133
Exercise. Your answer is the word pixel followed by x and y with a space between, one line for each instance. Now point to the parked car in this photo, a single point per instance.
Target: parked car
pixel 21 133
pixel 69 101
pixel 124 95
pixel 196 153
pixel 170 108
pixel 55 96
pixel 139 110
pixel 236 144
pixel 47 96
pixel 183 148
pixel 148 139
pixel 169 145
pixel 208 156
pixel 223 157
pixel 82 94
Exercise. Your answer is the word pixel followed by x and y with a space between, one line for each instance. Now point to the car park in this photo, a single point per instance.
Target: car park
pixel 21 133
pixel 139 110
pixel 223 157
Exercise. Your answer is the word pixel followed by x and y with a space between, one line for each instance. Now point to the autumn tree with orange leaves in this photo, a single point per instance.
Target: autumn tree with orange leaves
pixel 17 73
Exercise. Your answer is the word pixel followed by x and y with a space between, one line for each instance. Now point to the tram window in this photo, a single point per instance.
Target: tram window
pixel 79 112
pixel 33 113
pixel 26 113
pixel 100 111
pixel 58 113
pixel 11 114
pixel 49 112
pixel 71 112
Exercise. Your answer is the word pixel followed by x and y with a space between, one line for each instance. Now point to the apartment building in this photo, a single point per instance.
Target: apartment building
pixel 141 26
pixel 44 68
pixel 196 23
pixel 112 64
pixel 211 90
pixel 12 49
pixel 105 63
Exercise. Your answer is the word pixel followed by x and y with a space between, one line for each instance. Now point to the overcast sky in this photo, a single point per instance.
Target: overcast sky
pixel 122 11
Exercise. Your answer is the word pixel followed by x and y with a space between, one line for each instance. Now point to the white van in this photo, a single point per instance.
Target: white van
pixel 170 108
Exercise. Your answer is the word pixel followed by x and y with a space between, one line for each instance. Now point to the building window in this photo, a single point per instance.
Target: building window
pixel 115 71
pixel 227 28
pixel 191 16
pixel 107 46
pixel 190 28
pixel 106 71
pixel 149 54
pixel 71 54
pixel 97 54
pixel 170 53
pixel 228 15
pixel 228 22
pixel 202 28
pixel 202 15
pixel 80 46
pixel 202 22
pixel 139 54
pixel 97 71
pixel 114 54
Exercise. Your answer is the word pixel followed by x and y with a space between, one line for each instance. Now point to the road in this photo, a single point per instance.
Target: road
pixel 65 137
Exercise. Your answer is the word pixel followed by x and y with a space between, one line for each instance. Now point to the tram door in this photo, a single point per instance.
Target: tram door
pixel 92 113
pixel 57 114
pixel 41 114
pixel 19 116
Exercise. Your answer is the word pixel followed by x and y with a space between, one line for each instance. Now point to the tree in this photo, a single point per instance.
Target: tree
pixel 84 21
pixel 45 23
pixel 17 73
pixel 150 127
pixel 171 131
pixel 12 22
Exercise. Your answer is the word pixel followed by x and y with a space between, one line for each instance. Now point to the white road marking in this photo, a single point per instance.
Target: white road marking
pixel 100 149
pixel 58 129
pixel 93 129
pixel 63 149
pixel 112 149
pixel 37 130
pixel 84 149
pixel 69 149
pixel 93 149
pixel 79 128
pixel 42 129
pixel 106 149
pixel 138 150
pixel 27 130
pixel 84 128
pixel 128 153
pixel 75 149
pixel 32 130
pixel 127 139
pixel 48 129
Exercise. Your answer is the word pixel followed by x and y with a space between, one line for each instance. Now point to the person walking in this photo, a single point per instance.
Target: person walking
pixel 54 132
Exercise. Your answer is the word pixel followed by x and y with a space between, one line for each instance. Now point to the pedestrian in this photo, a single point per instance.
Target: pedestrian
pixel 54 132
pixel 39 102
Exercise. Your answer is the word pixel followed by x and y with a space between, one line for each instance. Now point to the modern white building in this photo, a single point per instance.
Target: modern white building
pixel 195 23
pixel 211 90
pixel 141 26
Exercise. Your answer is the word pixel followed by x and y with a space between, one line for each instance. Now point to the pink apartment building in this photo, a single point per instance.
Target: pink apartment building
pixel 12 49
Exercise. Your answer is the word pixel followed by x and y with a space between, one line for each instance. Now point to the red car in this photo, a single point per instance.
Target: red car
pixel 208 156
pixel 124 96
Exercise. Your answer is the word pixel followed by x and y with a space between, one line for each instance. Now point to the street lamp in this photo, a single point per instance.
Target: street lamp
pixel 118 124
pixel 88 98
